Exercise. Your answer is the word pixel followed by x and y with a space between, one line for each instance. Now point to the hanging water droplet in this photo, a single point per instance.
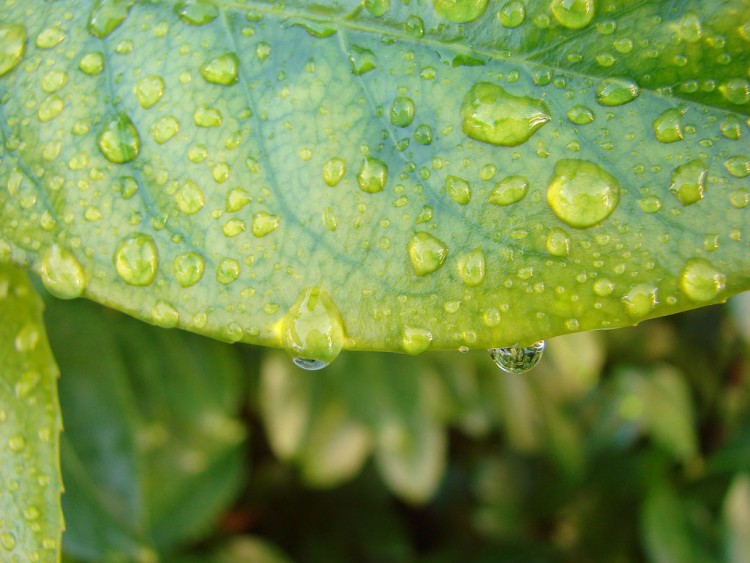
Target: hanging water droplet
pixel 689 182
pixel 106 15
pixel 137 259
pixel 309 364
pixel 471 267
pixel 149 90
pixel 426 252
pixel 188 268
pixel 62 274
pixel 509 190
pixel 492 115
pixel 573 14
pixel 518 359
pixel 373 175
pixel 460 11
pixel 402 111
pixel 512 14
pixel 313 329
pixel 701 281
pixel 13 39
pixel 222 70
pixel 362 60
pixel 119 140
pixel 196 12
pixel 582 193
pixel 616 91
pixel 164 314
pixel 333 171
pixel 668 126
pixel 458 189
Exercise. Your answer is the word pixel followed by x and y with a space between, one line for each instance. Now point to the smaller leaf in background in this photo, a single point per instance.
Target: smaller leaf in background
pixel 737 520
pixel 31 521
pixel 740 307
pixel 250 549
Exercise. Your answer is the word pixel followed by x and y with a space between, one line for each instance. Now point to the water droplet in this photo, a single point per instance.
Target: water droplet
pixel 165 128
pixel 603 287
pixel 640 300
pixel 423 134
pixel 616 91
pixel 106 15
pixel 512 14
pixel 402 111
pixel 415 340
pixel 50 38
pixel 13 39
pixel 492 115
pixel 650 204
pixel 7 541
pixel 459 189
pixel 573 14
pixel 188 268
pixel 137 259
pixel 689 182
pixel 700 281
pixel 128 186
pixel 582 193
pixel 119 140
pixel 580 115
pixel 329 219
pixel 740 198
pixel 518 359
pixel 189 198
pixel 54 80
pixel 509 190
pixel 731 128
pixel 362 60
pixel 237 198
pixel 333 171
pixel 558 243
pixel 16 443
pixel 233 227
pixel 688 28
pixel 309 364
pixel 227 271
pixel 222 70
pixel 471 267
pixel 668 126
pixel 426 252
pixel 196 12
pixel 373 175
pixel 736 91
pixel 163 314
pixel 738 166
pixel 460 11
pixel 27 338
pixel 377 7
pixel 264 224
pixel 149 90
pixel 206 116
pixel 312 328
pixel 62 274
pixel 50 108
pixel 91 63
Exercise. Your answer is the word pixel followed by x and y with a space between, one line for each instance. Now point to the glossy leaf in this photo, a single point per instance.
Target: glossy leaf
pixel 31 521
pixel 398 177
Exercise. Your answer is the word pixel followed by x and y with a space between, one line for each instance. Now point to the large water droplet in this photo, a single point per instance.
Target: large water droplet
pixel 313 329
pixel 640 300
pixel 62 274
pixel 362 60
pixel 119 140
pixel 668 126
pixel 512 14
pixel 149 90
pixel 689 182
pixel 373 175
pixel 333 171
pixel 91 63
pixel 573 14
pixel 582 193
pixel 616 91
pixel 509 190
pixel 492 115
pixel 188 268
pixel 471 267
pixel 738 166
pixel 196 12
pixel 402 111
pixel 13 39
pixel 137 259
pixel 460 11
pixel 106 15
pixel 459 189
pixel 518 359
pixel 736 91
pixel 426 252
pixel 701 281
pixel 222 70
pixel 7 541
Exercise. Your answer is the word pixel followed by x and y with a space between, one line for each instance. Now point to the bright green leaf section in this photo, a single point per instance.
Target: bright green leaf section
pixel 31 521
pixel 153 450
pixel 402 177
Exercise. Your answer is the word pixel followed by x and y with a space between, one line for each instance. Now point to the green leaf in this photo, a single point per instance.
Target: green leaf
pixel 152 450
pixel 737 520
pixel 31 521
pixel 321 176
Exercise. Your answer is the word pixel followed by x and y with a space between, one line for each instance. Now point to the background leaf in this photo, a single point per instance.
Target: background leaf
pixel 329 176
pixel 31 521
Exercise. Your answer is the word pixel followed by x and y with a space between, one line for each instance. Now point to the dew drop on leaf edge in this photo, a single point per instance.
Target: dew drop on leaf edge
pixel 518 359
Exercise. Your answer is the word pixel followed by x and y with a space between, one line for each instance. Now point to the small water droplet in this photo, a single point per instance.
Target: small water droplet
pixel 402 111
pixel 222 70
pixel 189 198
pixel 128 186
pixel 62 274
pixel 329 219
pixel 512 14
pixel 640 300
pixel 518 359
pixel 650 204
pixel 7 541
pixel 415 340
pixel 106 15
pixel 362 60
pixel 54 80
pixel 582 193
pixel 460 11
pixel 700 281
pixel 13 39
pixel 50 108
pixel 27 338
pixel 233 227
pixel 165 128
pixel 573 14
pixel 603 287
pixel 668 126
pixel 17 443
pixel 689 182
pixel 616 91
pixel 423 134
pixel 377 7
pixel 264 224
pixel 196 12
pixel 426 252
pixel 580 115
pixel 738 166
pixel 509 190
pixel 119 140
pixel 558 243
pixel 149 90
pixel 731 128
pixel 137 259
pixel 471 267
pixel 206 116
pixel 736 91
pixel 373 175
pixel 50 38
pixel 333 171
pixel 458 189
pixel 492 115
pixel 227 271
pixel 740 198
pixel 313 328
pixel 188 268
pixel 237 198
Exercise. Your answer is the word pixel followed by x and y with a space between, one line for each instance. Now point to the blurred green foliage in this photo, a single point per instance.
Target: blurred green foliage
pixel 627 445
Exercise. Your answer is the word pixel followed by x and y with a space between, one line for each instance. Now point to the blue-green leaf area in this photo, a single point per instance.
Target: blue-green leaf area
pixel 395 177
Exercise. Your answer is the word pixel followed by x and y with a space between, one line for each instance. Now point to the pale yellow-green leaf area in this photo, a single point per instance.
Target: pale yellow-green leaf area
pixel 31 521
pixel 385 176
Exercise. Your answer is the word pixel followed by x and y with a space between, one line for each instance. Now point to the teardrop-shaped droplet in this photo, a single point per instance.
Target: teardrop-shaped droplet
pixel 222 70
pixel 119 140
pixel 13 39
pixel 689 182
pixel 106 15
pixel 582 193
pixel 573 14
pixel 492 115
pixel 460 11
pixel 415 340
pixel 426 252
pixel 518 359
pixel 313 329
pixel 137 259
pixel 62 274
